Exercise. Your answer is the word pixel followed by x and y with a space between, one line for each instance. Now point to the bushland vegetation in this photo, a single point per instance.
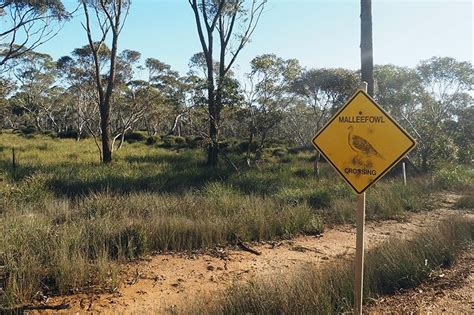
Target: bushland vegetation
pixel 68 221
pixel 278 101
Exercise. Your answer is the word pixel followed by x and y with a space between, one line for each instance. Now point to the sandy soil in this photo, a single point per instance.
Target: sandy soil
pixel 166 282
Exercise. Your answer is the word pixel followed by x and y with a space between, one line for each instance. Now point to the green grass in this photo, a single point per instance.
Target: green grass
pixel 69 169
pixel 67 220
pixel 397 264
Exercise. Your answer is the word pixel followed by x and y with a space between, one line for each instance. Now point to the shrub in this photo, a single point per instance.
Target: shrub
pixel 170 141
pixel 68 134
pixel 287 159
pixel 314 226
pixel 291 195
pixel 151 140
pixel 179 140
pixel 134 136
pixel 296 150
pixel 320 199
pixel 278 142
pixel 453 177
pixel 224 144
pixel 244 145
pixel 280 152
pixel 50 133
pixel 194 142
pixel 28 130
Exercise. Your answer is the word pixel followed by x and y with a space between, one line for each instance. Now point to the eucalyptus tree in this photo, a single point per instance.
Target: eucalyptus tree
pixel 36 76
pixel 463 134
pixel 398 90
pixel 171 91
pixel 268 96
pixel 6 88
pixel 232 23
pixel 130 100
pixel 110 16
pixel 448 86
pixel 322 91
pixel 231 99
pixel 78 74
pixel 27 24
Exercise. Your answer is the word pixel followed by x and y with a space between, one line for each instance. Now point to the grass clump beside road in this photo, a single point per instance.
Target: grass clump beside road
pixel 61 245
pixel 397 264
pixel 466 201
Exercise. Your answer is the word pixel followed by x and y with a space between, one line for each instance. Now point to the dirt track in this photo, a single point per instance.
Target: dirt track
pixel 166 282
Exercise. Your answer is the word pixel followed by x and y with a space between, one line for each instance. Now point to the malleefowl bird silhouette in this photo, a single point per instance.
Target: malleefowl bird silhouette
pixel 360 145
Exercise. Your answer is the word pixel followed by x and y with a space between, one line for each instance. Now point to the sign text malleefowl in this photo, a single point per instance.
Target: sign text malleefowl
pixel 362 119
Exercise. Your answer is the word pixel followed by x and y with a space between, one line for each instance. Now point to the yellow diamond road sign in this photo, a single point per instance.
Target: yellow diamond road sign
pixel 362 141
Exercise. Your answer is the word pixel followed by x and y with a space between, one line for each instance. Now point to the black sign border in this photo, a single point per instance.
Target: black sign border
pixel 388 116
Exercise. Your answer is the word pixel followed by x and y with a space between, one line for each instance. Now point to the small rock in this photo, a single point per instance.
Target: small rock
pixel 210 267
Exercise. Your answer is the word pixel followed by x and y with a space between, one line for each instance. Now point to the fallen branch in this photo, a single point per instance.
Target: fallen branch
pixel 247 248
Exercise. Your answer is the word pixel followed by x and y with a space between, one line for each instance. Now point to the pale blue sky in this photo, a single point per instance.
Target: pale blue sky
pixel 318 33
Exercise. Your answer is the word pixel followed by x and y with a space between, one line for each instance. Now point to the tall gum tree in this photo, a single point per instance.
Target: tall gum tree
pixel 110 16
pixel 268 97
pixel 37 97
pixel 27 24
pixel 222 19
pixel 78 73
pixel 448 91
